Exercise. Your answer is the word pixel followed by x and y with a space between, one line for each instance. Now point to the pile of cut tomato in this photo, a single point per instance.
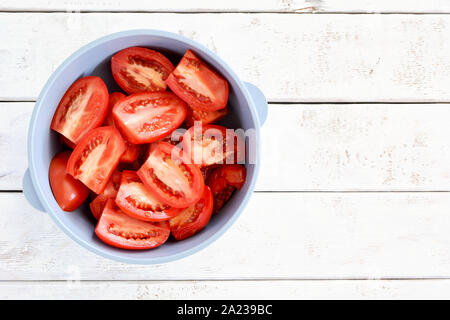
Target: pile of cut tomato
pixel 141 183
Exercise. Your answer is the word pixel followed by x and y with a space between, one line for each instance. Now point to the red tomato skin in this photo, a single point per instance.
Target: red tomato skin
pixel 115 151
pixel 121 60
pixel 203 73
pixel 69 193
pixel 113 217
pixel 136 212
pixel 223 181
pixel 99 109
pixel 205 117
pixel 178 108
pixel 203 209
pixel 98 204
pixel 132 152
pixel 207 170
pixel 113 99
pixel 197 184
pixel 66 142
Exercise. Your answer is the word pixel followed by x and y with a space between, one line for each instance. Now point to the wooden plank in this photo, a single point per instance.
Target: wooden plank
pixel 313 147
pixel 296 58
pixel 14 119
pixel 297 6
pixel 279 236
pixel 291 289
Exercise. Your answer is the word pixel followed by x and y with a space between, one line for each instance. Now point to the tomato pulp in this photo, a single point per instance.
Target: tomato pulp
pixel 95 157
pixel 122 231
pixel 197 84
pixel 138 69
pixel 82 108
pixel 223 181
pixel 171 178
pixel 213 144
pixel 194 218
pixel 149 116
pixel 136 200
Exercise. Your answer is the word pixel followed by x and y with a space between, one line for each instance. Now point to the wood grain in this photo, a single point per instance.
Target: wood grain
pixel 292 58
pixel 279 236
pixel 273 290
pixel 297 6
pixel 285 240
pixel 313 147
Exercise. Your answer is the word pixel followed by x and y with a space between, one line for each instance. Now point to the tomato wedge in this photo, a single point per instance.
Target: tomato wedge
pixel 95 157
pixel 205 117
pixel 193 219
pixel 82 108
pixel 98 204
pixel 150 116
pixel 68 192
pixel 139 69
pixel 170 177
pixel 117 229
pixel 197 84
pixel 223 181
pixel 132 152
pixel 136 200
pixel 212 144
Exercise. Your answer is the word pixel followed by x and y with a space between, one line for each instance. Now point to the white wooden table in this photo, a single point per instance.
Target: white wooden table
pixel 353 197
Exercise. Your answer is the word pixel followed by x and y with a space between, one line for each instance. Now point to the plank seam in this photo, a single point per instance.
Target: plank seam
pixel 234 280
pixel 297 11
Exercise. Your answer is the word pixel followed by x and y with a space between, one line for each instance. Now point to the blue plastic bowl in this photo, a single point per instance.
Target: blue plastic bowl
pixel 248 109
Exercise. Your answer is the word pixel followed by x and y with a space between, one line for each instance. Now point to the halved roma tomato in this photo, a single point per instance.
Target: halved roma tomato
pixel 212 144
pixel 136 200
pixel 68 192
pixel 98 204
pixel 132 152
pixel 205 117
pixel 149 116
pixel 197 84
pixel 193 219
pixel 122 231
pixel 95 157
pixel 170 178
pixel 82 108
pixel 139 69
pixel 223 181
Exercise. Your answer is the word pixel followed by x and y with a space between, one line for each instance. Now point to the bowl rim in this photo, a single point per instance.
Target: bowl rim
pixel 31 148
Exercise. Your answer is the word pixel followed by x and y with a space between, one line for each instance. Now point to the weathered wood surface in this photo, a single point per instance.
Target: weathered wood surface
pixel 313 147
pixel 296 58
pixel 281 6
pixel 338 153
pixel 278 236
pixel 222 290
